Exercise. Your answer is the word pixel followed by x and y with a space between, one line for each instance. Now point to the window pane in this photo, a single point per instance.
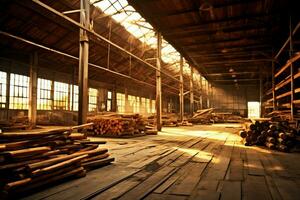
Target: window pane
pixel 19 91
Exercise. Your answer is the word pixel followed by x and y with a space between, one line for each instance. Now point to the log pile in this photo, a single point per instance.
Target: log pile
pixel 118 125
pixel 31 160
pixel 274 135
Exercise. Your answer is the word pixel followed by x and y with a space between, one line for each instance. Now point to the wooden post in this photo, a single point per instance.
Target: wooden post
pixel 181 97
pixel 292 72
pixel 191 92
pixel 126 101
pixel 114 100
pixel 273 86
pixel 201 96
pixel 83 61
pixel 158 83
pixel 32 111
pixel 260 91
pixel 7 93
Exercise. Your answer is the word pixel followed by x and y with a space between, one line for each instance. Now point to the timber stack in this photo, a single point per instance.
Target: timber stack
pixel 274 135
pixel 208 116
pixel 30 160
pixel 118 125
pixel 168 120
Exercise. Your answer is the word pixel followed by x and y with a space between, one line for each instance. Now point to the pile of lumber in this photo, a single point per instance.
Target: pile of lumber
pixel 202 116
pixel 208 116
pixel 30 160
pixel 279 115
pixel 18 122
pixel 274 135
pixel 168 120
pixel 118 125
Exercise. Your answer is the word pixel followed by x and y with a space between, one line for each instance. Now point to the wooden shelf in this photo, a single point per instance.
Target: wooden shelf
pixel 289 62
pixel 286 81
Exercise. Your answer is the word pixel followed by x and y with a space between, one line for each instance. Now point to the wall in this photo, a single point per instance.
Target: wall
pixel 21 66
pixel 234 99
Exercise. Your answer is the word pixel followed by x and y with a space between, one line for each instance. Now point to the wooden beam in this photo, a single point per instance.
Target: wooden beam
pixel 191 92
pixel 158 84
pixel 83 62
pixel 32 109
pixel 181 97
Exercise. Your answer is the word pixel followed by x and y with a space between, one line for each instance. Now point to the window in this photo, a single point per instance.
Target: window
pixel 61 96
pixel 121 102
pixel 74 97
pixel 93 93
pixel 44 101
pixel 19 91
pixel 136 108
pixel 147 105
pixel 153 110
pixel 253 109
pixel 143 103
pixel 3 79
pixel 109 101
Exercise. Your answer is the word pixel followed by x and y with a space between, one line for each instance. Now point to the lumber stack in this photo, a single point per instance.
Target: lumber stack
pixel 208 116
pixel 118 125
pixel 274 135
pixel 33 159
pixel 168 120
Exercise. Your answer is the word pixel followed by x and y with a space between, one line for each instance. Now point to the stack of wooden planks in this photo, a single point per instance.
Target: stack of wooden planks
pixel 118 125
pixel 207 116
pixel 30 160
pixel 274 135
pixel 168 120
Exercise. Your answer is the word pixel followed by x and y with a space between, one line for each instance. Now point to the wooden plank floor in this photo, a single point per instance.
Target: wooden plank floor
pixel 199 162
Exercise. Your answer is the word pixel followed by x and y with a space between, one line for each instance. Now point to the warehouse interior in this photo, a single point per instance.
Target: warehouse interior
pixel 149 99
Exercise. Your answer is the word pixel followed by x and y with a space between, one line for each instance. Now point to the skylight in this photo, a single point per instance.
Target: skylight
pixel 134 23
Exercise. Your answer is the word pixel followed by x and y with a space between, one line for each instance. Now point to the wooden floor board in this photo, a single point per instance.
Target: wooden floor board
pixel 198 162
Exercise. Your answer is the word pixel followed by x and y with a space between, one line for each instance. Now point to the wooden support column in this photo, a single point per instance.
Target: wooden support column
pixel 83 61
pixel 114 100
pixel 192 92
pixel 158 83
pixel 292 72
pixel 7 93
pixel 32 110
pixel 207 97
pixel 201 96
pixel 126 101
pixel 273 86
pixel 181 97
pixel 260 91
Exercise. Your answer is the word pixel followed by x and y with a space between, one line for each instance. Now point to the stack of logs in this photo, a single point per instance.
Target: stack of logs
pixel 31 160
pixel 118 125
pixel 277 135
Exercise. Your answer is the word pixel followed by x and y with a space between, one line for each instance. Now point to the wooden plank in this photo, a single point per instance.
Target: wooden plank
pixel 117 190
pixel 255 187
pixel 164 197
pixel 150 184
pixel 185 184
pixel 235 172
pixel 208 185
pixel 287 188
pixel 254 164
pixel 163 187
pixel 232 190
pixel 272 188
pixel 98 177
pixel 205 194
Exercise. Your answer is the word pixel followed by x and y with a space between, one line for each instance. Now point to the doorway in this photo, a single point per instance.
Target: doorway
pixel 253 109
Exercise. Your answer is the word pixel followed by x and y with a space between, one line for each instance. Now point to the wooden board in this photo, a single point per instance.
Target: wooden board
pixel 231 190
